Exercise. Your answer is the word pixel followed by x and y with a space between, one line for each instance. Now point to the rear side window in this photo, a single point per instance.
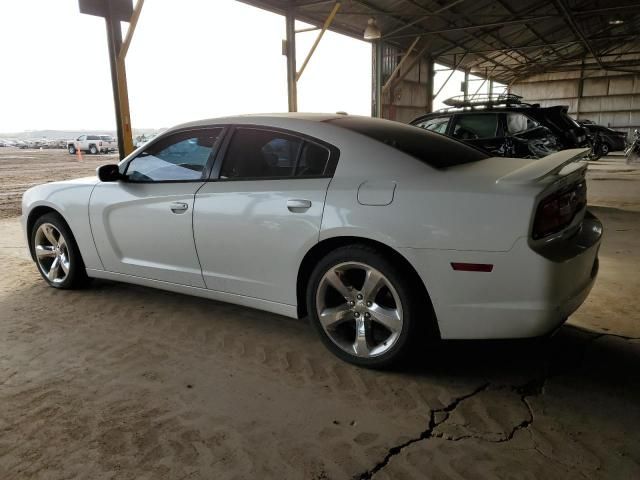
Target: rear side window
pixel 313 161
pixel 431 148
pixel 438 124
pixel 262 154
pixel 93 137
pixel 475 126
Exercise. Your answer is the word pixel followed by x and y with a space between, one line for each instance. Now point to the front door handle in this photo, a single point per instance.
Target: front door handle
pixel 298 205
pixel 179 207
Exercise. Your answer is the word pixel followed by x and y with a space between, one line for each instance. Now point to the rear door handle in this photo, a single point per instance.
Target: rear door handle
pixel 297 205
pixel 179 207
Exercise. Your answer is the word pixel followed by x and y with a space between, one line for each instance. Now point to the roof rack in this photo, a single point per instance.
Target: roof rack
pixel 485 100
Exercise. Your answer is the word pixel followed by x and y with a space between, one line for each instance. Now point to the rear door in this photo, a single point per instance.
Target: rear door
pixel 261 212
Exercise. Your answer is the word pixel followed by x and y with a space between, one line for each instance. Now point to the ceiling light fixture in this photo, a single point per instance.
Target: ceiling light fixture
pixel 616 21
pixel 372 32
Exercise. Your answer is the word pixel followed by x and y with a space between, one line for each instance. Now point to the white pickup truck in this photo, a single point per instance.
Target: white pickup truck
pixel 93 144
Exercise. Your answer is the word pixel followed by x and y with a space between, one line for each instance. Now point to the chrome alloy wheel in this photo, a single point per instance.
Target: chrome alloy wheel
pixel 359 309
pixel 52 253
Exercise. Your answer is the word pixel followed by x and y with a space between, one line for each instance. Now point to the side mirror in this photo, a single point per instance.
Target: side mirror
pixel 108 173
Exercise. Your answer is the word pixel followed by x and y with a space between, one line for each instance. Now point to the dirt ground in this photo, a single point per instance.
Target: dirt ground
pixel 119 381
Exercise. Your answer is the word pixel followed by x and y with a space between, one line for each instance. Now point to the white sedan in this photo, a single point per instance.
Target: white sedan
pixel 383 234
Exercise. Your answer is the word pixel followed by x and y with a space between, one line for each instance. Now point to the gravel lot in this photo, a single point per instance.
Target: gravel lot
pixel 120 381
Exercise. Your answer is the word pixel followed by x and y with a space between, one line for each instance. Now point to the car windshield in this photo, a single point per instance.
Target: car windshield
pixel 431 148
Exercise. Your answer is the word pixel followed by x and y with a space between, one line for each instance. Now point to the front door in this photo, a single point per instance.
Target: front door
pixel 143 224
pixel 255 222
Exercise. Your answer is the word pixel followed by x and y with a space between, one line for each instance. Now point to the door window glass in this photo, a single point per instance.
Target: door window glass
pixel 517 122
pixel 474 126
pixel 438 125
pixel 179 157
pixel 313 161
pixel 255 153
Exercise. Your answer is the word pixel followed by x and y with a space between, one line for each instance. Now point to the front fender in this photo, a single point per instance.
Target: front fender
pixel 71 201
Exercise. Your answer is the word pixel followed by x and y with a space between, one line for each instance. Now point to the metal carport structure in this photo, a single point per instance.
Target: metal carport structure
pixel 501 40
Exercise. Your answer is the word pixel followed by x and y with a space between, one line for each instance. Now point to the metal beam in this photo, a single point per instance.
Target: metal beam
pixel 377 79
pixel 412 64
pixel 327 24
pixel 450 75
pixel 399 65
pixel 474 27
pixel 130 31
pixel 423 17
pixel 290 50
pixel 402 22
pixel 466 85
pixel 564 11
pixel 430 83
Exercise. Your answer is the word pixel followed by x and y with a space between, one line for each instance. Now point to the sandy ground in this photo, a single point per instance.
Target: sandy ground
pixel 120 381
pixel 22 169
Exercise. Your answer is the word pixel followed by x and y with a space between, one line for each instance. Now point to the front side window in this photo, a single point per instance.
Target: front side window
pixel 178 157
pixel 474 126
pixel 518 122
pixel 255 153
pixel 438 124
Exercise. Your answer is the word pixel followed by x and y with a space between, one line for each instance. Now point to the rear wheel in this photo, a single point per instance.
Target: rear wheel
pixel 56 253
pixel 362 306
pixel 93 150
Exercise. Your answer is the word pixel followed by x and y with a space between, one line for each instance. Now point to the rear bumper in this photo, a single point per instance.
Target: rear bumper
pixel 527 294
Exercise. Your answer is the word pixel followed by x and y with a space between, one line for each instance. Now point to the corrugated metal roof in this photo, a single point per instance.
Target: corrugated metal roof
pixel 503 39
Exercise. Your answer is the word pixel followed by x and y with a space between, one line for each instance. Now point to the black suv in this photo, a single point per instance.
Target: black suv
pixel 505 126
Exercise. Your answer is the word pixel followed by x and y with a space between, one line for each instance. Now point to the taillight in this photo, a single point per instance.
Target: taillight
pixel 558 210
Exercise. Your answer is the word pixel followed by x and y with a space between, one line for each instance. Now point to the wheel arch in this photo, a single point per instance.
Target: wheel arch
pixel 320 249
pixel 34 215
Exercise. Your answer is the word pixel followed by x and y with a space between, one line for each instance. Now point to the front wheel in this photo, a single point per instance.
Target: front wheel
pixel 72 149
pixel 604 149
pixel 362 306
pixel 56 253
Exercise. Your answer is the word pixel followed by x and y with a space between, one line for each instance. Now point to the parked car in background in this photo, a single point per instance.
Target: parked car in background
pixel 605 139
pixel 92 144
pixel 505 126
pixel 383 234
pixel 143 139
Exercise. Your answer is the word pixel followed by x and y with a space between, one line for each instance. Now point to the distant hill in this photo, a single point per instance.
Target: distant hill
pixel 68 134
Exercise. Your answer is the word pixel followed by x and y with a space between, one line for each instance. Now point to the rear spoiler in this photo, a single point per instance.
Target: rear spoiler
pixel 560 163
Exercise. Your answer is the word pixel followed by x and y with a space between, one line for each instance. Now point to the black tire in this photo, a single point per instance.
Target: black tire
pixel 77 275
pixel 93 150
pixel 72 149
pixel 605 148
pixel 408 296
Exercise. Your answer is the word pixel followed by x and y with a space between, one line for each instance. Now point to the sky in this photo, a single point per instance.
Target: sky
pixel 202 60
